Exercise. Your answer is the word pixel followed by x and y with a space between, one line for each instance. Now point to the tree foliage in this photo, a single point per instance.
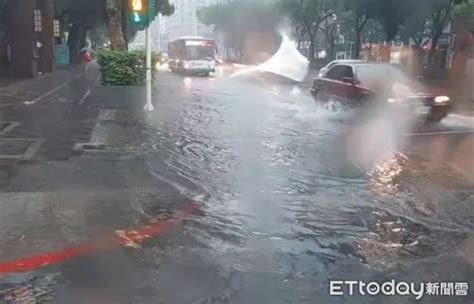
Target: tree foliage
pixel 430 19
pixel 81 16
pixel 310 16
pixel 238 19
pixel 392 14
pixel 356 16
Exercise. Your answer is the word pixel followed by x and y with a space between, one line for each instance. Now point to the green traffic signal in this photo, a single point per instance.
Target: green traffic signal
pixel 142 12
pixel 138 11
pixel 137 18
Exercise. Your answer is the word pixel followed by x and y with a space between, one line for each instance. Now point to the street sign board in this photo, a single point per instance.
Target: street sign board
pixel 62 55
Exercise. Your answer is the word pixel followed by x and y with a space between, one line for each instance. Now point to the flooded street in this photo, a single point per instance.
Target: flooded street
pixel 287 197
pixel 285 207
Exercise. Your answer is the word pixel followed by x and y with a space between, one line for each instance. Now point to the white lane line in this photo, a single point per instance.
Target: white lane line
pixel 81 101
pixel 440 133
pixel 11 96
pixel 96 80
pixel 51 91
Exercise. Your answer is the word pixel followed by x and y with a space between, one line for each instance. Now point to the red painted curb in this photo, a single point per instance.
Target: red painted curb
pixel 107 242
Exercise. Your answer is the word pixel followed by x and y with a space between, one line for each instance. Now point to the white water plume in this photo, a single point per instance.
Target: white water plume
pixel 286 62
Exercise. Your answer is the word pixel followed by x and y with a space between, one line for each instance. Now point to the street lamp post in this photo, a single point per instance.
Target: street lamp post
pixel 142 14
pixel 148 105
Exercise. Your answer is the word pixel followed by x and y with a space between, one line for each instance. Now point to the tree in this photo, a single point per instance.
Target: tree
pixel 78 17
pixel 372 33
pixel 330 29
pixel 362 11
pixel 442 12
pixel 81 16
pixel 430 21
pixel 238 19
pixel 416 28
pixel 465 12
pixel 310 15
pixel 113 9
pixel 392 14
pixel 357 14
pixel 331 26
pixel 117 16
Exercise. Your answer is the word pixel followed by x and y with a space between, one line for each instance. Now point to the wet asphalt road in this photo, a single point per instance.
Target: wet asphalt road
pixel 289 196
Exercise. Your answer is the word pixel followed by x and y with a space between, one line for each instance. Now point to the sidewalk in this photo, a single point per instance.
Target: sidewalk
pixel 47 109
pixel 29 89
pixel 62 196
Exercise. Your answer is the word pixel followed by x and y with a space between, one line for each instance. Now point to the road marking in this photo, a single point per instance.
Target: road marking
pixel 440 133
pixel 11 96
pixel 156 227
pixel 96 80
pixel 52 91
pixel 81 101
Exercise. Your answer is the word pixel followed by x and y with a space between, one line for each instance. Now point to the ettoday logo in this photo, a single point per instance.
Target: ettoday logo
pixel 392 288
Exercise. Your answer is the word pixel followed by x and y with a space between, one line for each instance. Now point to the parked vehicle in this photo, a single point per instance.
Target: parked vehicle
pixel 357 83
pixel 192 55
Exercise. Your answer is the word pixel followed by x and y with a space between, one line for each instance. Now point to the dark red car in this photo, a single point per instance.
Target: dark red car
pixel 366 83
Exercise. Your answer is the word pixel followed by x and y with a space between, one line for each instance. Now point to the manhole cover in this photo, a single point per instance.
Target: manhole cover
pixel 93 147
pixel 95 150
pixel 7 126
pixel 19 148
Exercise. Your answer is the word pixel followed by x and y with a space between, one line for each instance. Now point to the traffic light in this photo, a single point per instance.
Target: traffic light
pixel 142 12
pixel 138 11
pixel 137 5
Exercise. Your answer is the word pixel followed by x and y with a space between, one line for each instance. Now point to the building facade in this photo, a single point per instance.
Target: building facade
pixel 26 37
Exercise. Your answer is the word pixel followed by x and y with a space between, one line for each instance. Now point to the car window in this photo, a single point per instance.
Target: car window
pixel 330 65
pixel 339 72
pixel 371 75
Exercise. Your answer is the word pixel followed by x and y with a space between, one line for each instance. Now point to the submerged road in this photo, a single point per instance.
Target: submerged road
pixel 289 196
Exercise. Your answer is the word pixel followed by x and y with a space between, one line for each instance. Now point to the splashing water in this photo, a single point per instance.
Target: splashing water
pixel 287 62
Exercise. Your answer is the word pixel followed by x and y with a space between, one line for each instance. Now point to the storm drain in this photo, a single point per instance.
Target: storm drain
pixel 7 126
pixel 97 150
pixel 19 148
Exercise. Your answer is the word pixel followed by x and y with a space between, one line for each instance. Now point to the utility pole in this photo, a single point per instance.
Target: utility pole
pixel 148 105
pixel 142 14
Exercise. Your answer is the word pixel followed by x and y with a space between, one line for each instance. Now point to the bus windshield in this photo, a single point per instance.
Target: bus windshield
pixel 199 52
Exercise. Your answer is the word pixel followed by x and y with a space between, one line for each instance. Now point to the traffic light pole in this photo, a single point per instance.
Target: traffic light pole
pixel 148 105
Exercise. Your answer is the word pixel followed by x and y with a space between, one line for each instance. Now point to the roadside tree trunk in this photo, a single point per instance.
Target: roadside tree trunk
pixel 76 41
pixel 361 21
pixel 434 45
pixel 357 46
pixel 312 42
pixel 332 49
pixel 114 23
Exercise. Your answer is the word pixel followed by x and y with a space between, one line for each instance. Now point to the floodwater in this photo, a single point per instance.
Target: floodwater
pixel 288 196
pixel 293 195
